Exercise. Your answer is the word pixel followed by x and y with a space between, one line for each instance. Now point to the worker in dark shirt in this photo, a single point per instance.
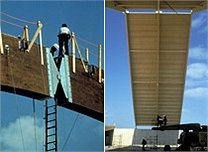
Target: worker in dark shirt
pixel 55 51
pixel 144 142
pixel 165 120
pixel 159 121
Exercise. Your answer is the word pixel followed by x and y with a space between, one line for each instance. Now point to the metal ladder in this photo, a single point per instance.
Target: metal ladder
pixel 51 126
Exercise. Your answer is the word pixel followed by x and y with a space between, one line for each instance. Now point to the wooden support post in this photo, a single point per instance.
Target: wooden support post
pixel 1 43
pixel 26 34
pixel 80 55
pixel 87 59
pixel 99 63
pixel 34 37
pixel 41 44
pixel 25 37
pixel 73 53
pixel 87 55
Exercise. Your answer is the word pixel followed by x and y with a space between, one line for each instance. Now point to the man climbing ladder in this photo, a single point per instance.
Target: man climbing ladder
pixel 64 36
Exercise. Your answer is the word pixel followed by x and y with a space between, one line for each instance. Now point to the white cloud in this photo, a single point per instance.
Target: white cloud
pixel 10 138
pixel 197 71
pixel 197 93
pixel 190 83
pixel 199 20
pixel 185 110
pixel 198 53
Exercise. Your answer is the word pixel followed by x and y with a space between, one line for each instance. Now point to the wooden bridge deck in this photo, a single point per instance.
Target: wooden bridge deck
pixel 23 74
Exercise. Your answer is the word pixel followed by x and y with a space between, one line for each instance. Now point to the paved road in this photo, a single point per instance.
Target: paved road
pixel 134 148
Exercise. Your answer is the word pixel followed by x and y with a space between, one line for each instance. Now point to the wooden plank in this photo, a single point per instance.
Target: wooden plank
pixel 142 51
pixel 142 17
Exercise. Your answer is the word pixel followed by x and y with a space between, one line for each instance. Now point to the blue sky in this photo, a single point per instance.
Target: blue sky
pixel 84 18
pixel 119 104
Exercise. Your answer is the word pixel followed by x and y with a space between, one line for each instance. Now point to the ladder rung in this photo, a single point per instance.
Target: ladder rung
pixel 51 113
pixel 51 106
pixel 51 142
pixel 51 127
pixel 51 135
pixel 51 120
pixel 51 149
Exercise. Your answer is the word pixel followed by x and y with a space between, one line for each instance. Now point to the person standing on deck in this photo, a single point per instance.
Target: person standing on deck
pixel 64 36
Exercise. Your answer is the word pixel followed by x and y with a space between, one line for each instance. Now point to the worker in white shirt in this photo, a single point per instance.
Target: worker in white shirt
pixel 64 36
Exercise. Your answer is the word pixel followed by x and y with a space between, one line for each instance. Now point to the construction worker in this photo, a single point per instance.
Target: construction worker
pixel 64 36
pixel 167 148
pixel 165 120
pixel 144 142
pixel 19 42
pixel 55 53
pixel 54 49
pixel 22 43
pixel 159 121
pixel 91 70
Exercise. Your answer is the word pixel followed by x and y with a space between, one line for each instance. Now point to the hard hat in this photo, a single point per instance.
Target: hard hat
pixel 56 46
pixel 6 46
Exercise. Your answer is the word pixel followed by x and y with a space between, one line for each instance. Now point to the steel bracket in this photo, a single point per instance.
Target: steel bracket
pixel 55 76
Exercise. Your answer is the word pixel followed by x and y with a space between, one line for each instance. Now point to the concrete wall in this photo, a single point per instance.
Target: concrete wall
pixel 155 137
pixel 123 137
pixel 127 137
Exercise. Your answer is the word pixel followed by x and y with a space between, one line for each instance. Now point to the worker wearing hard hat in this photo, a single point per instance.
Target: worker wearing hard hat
pixel 54 49
pixel 55 52
pixel 64 36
